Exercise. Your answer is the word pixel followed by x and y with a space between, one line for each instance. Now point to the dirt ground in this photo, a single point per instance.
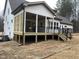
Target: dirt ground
pixel 50 49
pixel 71 53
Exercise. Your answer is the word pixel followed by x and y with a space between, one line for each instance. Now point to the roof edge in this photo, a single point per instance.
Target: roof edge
pixel 34 3
pixel 66 23
pixel 5 7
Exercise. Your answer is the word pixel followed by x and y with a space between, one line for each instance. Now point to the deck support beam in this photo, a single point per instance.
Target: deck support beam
pixel 36 39
pixel 16 38
pixel 24 40
pixel 52 36
pixel 24 25
pixel 19 38
pixel 58 38
pixel 45 37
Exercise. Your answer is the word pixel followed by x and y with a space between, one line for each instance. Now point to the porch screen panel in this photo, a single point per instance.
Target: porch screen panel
pixel 21 22
pixel 30 22
pixel 17 23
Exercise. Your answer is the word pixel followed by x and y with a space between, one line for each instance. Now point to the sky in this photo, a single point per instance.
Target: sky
pixel 51 3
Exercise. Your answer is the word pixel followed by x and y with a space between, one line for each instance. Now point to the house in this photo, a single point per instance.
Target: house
pixel 34 19
pixel 30 20
pixel 66 24
pixel 10 5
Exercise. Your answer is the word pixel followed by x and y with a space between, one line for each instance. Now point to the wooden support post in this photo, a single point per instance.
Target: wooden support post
pixel 58 38
pixel 16 38
pixel 36 39
pixel 19 38
pixel 13 38
pixel 24 40
pixel 24 25
pixel 45 37
pixel 52 36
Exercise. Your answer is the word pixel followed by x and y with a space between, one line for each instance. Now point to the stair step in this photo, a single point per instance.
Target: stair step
pixel 62 36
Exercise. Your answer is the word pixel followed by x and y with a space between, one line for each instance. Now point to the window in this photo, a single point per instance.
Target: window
pixel 8 11
pixel 9 33
pixel 12 21
pixel 6 18
pixel 65 26
pixel 8 27
pixel 7 22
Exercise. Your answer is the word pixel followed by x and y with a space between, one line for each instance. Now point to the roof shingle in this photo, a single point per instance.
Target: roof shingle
pixel 15 3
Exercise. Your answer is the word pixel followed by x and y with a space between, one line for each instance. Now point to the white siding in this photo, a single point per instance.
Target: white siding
pixel 40 10
pixel 8 22
pixel 67 26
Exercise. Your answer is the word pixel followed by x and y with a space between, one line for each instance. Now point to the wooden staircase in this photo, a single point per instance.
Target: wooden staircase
pixel 63 37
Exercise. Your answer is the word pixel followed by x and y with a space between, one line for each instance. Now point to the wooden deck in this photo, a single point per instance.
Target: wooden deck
pixel 33 33
pixel 18 35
